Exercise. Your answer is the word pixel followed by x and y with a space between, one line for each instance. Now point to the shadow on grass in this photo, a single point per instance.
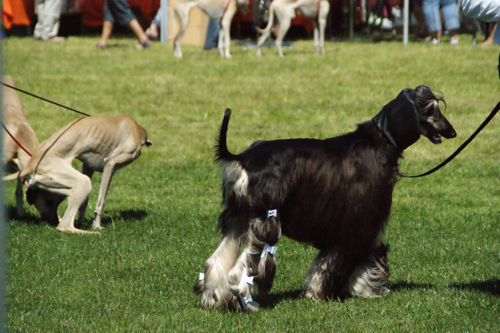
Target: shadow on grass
pixel 403 285
pixel 271 300
pixel 127 215
pixel 491 286
pixel 28 218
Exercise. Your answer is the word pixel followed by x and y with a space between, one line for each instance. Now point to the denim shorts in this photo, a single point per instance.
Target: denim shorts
pixel 432 18
pixel 118 11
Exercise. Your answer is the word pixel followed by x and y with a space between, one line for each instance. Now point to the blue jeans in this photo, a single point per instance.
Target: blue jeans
pixel 212 38
pixel 431 14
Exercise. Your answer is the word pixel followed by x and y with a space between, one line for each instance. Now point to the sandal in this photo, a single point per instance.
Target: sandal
pixel 101 46
pixel 142 45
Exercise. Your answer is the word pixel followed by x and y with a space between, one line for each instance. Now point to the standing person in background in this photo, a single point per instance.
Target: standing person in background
pixel 48 13
pixel 119 10
pixel 484 10
pixel 487 11
pixel 489 39
pixel 433 21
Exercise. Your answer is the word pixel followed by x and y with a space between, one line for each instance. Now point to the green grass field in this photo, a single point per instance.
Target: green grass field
pixel 161 211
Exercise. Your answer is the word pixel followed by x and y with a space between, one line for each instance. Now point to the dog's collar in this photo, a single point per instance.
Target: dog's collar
pixel 398 120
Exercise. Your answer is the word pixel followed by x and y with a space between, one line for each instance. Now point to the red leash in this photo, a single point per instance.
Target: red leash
pixel 20 145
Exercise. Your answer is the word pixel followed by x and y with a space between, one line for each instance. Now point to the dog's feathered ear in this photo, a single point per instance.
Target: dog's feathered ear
pixel 398 121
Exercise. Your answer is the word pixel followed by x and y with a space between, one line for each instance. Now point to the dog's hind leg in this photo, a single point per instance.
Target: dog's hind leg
pixel 112 165
pixel 226 27
pixel 257 261
pixel 181 11
pixel 322 15
pixel 220 43
pixel 87 171
pixel 213 288
pixel 285 21
pixel 316 36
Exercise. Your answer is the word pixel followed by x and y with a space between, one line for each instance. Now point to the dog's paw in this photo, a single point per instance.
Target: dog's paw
pixel 383 292
pixel 309 293
pixel 209 299
pixel 199 287
pixel 245 304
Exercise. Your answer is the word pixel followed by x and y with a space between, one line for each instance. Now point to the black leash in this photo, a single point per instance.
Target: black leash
pixel 462 147
pixel 46 100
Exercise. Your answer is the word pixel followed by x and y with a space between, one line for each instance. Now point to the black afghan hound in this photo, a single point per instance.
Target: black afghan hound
pixel 335 194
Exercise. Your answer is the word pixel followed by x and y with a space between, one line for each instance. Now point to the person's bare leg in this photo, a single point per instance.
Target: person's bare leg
pixel 489 41
pixel 107 28
pixel 141 35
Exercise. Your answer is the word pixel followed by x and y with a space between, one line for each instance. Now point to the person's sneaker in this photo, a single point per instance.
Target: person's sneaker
pixel 454 40
pixel 434 41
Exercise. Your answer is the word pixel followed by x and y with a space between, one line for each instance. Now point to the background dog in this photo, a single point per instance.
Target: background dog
pixel 215 9
pixel 14 157
pixel 285 11
pixel 103 144
pixel 335 194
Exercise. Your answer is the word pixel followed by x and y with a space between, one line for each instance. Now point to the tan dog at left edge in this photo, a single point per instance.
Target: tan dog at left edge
pixel 103 144
pixel 13 156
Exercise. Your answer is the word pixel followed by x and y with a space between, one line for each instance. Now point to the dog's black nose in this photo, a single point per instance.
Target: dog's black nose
pixel 450 134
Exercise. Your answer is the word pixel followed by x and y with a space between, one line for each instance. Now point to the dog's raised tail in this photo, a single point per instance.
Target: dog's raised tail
pixel 222 154
pixel 269 20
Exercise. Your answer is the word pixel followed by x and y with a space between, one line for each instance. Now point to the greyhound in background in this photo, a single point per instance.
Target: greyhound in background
pixel 15 158
pixel 285 11
pixel 215 9
pixel 103 144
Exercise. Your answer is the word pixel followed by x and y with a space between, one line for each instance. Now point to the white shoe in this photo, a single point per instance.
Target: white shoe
pixel 434 41
pixel 454 40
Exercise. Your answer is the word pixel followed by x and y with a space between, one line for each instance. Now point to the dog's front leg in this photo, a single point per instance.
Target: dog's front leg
pixel 220 44
pixel 66 182
pixel 329 275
